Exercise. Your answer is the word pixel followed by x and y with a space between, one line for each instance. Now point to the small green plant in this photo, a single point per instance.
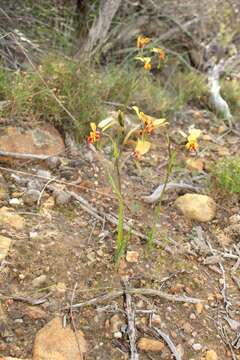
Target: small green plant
pixel 227 174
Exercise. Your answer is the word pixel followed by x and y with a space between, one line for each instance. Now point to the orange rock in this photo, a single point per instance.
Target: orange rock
pixel 146 344
pixel 44 140
pixel 199 308
pixel 34 313
pixel 53 342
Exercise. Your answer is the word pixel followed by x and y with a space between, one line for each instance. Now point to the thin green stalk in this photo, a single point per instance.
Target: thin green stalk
pixel 157 210
pixel 115 182
pixel 120 235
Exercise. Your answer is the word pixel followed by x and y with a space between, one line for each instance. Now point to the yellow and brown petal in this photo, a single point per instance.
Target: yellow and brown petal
pixel 192 144
pixel 94 134
pixel 150 123
pixel 160 52
pixel 142 41
pixel 141 148
pixel 146 62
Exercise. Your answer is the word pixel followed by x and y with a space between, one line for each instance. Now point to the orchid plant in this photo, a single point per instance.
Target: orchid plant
pixel 119 139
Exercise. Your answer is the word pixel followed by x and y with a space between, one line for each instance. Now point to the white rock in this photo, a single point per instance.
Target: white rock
pixel 197 207
pixel 197 347
pixel 15 202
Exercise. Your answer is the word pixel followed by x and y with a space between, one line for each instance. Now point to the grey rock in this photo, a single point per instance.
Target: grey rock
pixel 76 163
pixel 44 173
pixel 19 180
pixel 31 197
pixel 66 172
pixel 62 198
pixel 53 162
pixel 34 185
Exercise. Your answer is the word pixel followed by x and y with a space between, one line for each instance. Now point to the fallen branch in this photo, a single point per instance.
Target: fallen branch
pixel 73 322
pixel 169 342
pixel 43 189
pixel 26 299
pixel 24 156
pixel 141 291
pixel 100 28
pixel 156 195
pixel 131 330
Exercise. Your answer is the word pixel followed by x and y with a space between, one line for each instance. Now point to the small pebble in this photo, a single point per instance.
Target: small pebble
pixel 192 316
pixel 40 280
pixel 44 173
pixel 31 197
pixel 15 202
pixel 197 347
pixel 53 162
pixel 117 335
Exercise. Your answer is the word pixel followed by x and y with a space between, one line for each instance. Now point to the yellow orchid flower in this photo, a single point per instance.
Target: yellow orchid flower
pixel 94 134
pixel 146 62
pixel 142 41
pixel 160 52
pixel 192 144
pixel 141 148
pixel 150 123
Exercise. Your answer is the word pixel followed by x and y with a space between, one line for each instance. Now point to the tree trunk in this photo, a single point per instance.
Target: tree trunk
pixel 100 28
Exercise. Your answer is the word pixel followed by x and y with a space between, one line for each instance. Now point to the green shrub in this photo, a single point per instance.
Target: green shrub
pixel 188 87
pixel 231 93
pixel 78 88
pixel 130 86
pixel 227 174
pixel 119 84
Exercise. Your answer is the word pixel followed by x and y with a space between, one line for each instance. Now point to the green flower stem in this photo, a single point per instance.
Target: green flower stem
pixel 157 210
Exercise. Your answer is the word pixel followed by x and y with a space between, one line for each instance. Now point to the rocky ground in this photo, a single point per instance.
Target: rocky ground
pixel 54 253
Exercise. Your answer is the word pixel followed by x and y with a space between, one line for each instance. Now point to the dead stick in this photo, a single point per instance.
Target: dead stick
pixel 141 291
pixel 155 196
pixel 169 342
pixel 130 311
pixel 73 321
pixel 24 156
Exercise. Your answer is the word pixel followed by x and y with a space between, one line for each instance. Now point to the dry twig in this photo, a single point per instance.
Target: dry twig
pixel 73 321
pixel 131 330
pixel 134 291
pixel 156 195
pixel 169 342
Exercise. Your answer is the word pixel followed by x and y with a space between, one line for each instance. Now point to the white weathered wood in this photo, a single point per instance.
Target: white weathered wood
pixel 155 196
pixel 220 105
